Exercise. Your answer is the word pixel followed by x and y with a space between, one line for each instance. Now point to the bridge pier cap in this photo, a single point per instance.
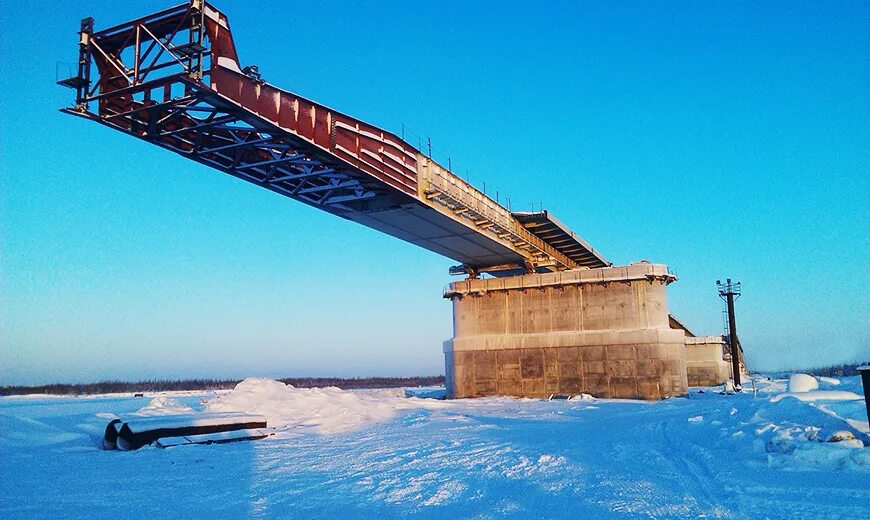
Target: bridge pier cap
pixel 602 331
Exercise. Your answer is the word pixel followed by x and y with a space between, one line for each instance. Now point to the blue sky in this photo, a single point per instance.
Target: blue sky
pixel 720 138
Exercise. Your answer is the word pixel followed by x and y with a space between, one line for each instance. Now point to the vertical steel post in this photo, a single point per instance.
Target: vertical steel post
pixel 865 382
pixel 727 292
pixel 732 332
pixel 83 88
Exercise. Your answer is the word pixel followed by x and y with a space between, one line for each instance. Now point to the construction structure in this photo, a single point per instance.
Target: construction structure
pixel 729 292
pixel 554 317
pixel 599 331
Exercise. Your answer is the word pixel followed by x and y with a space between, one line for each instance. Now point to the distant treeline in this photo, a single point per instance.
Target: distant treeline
pixel 836 370
pixel 829 371
pixel 163 385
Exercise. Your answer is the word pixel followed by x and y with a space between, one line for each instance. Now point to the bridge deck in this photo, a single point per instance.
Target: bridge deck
pixel 173 79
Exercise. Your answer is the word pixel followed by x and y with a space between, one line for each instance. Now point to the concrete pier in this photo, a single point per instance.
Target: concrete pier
pixel 600 331
pixel 705 361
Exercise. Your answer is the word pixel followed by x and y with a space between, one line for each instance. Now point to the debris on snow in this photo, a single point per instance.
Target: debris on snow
pixel 846 438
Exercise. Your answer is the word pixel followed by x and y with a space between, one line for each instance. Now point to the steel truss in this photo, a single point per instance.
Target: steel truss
pixel 173 79
pixel 150 85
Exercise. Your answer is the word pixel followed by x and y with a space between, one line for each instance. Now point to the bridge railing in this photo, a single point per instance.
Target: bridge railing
pixel 496 217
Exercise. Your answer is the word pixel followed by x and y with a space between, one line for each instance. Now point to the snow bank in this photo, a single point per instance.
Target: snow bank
pixel 819 395
pixel 802 383
pixel 321 410
pixel 164 406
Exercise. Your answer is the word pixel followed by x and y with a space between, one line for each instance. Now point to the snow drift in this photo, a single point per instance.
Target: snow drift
pixel 321 410
pixel 802 383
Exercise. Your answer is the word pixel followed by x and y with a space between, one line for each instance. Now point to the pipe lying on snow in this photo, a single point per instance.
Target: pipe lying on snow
pixel 136 432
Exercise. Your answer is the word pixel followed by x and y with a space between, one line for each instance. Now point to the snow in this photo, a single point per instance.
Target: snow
pixel 378 454
pixel 802 383
pixel 164 405
pixel 321 410
pixel 819 395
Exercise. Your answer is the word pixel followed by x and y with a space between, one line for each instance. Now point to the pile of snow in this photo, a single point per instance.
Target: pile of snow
pixel 819 395
pixel 806 388
pixel 164 406
pixel 802 383
pixel 321 410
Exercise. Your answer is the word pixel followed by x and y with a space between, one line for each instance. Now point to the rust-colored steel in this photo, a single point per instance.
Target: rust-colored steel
pixel 380 154
pixel 173 78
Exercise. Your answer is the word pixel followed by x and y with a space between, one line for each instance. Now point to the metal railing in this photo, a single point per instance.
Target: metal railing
pixel 467 201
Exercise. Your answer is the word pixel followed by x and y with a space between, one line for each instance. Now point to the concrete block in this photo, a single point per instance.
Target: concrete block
pixel 532 364
pixel 624 387
pixel 570 370
pixel 595 367
pixel 593 353
pixel 570 386
pixel 597 385
pixel 534 388
pixel 601 331
pixel 508 357
pixel 568 354
pixel 621 368
pixel 620 352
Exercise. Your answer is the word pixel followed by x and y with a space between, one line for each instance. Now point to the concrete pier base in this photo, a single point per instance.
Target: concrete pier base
pixel 705 361
pixel 599 331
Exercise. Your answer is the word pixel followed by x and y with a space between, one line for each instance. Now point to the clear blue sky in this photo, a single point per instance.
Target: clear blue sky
pixel 720 138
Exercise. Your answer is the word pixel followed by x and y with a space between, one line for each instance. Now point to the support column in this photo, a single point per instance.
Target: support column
pixel 599 331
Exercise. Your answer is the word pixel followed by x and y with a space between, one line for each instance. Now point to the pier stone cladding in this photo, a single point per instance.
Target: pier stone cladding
pixel 705 361
pixel 599 331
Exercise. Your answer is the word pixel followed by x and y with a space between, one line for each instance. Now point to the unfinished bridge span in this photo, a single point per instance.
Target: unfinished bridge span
pixel 174 79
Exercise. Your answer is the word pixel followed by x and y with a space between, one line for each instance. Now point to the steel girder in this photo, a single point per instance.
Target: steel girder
pixel 150 85
pixel 173 79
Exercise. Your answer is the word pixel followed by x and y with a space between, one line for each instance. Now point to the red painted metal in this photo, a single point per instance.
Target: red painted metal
pixel 367 148
pixel 173 78
pixel 379 153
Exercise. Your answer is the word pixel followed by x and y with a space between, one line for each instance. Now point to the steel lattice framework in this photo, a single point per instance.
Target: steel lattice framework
pixel 173 79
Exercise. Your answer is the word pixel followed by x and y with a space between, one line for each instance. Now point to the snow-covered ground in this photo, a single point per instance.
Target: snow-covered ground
pixel 379 454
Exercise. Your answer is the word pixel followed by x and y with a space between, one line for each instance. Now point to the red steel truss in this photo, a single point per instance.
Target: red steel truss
pixel 173 78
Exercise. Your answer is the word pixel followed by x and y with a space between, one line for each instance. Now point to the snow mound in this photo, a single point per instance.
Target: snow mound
pixel 162 405
pixel 320 410
pixel 829 380
pixel 802 383
pixel 819 395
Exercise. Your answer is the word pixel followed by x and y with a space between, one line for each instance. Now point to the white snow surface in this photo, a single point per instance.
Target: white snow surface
pixel 819 395
pixel 379 454
pixel 164 405
pixel 802 383
pixel 320 410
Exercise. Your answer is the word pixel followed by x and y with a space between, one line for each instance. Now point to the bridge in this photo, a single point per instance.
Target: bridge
pixel 174 79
